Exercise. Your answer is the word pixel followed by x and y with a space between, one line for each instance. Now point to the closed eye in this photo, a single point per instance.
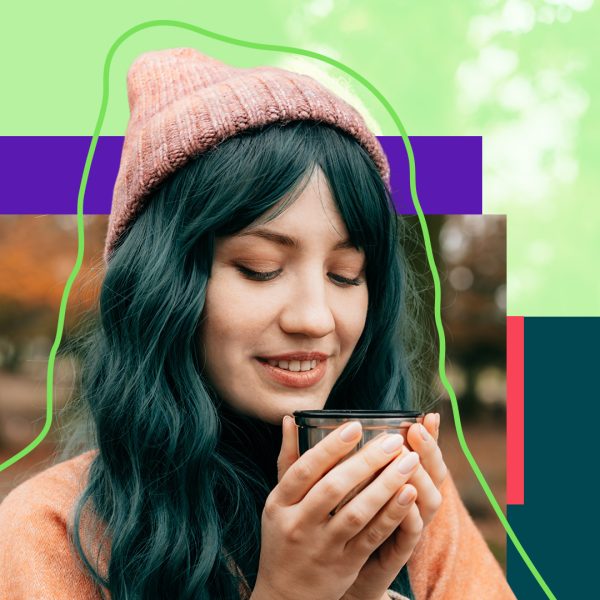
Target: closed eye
pixel 269 275
pixel 258 275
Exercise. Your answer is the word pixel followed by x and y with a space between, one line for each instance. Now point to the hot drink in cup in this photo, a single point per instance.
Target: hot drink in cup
pixel 314 425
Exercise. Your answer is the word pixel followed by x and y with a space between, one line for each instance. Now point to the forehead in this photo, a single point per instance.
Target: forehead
pixel 313 214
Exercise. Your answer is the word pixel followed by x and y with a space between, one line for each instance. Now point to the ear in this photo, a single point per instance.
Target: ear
pixel 289 446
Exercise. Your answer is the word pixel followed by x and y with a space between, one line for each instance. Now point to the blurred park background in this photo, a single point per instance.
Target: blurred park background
pixel 37 254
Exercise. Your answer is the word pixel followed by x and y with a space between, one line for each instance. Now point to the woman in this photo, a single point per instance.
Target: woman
pixel 253 269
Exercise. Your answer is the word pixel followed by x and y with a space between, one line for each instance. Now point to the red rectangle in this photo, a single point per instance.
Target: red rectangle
pixel 515 410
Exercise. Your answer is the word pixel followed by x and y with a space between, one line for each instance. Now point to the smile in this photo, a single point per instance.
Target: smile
pixel 293 373
pixel 293 365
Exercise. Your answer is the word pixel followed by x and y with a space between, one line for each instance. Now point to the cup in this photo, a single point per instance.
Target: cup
pixel 314 425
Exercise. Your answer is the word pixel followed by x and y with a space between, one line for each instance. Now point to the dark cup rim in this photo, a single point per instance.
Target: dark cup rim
pixel 356 414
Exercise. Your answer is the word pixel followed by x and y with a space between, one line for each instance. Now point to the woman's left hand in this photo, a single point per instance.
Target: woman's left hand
pixel 380 570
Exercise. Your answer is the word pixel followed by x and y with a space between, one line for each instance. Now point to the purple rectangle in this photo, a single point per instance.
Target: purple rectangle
pixel 41 175
pixel 448 173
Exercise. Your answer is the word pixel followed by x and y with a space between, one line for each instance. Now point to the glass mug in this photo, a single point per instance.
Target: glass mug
pixel 314 425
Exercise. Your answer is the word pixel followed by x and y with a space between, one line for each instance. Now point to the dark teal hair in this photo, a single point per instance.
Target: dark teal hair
pixel 180 481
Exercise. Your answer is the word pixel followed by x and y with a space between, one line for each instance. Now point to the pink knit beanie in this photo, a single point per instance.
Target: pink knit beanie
pixel 183 103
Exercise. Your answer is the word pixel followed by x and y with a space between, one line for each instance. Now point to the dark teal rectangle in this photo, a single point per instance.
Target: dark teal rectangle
pixel 558 525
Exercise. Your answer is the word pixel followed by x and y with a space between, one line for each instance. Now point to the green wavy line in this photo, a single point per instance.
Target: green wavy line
pixel 413 189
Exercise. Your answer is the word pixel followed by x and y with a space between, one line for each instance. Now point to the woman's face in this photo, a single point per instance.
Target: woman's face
pixel 302 306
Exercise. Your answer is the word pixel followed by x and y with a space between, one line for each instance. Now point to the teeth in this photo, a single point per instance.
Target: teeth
pixel 294 365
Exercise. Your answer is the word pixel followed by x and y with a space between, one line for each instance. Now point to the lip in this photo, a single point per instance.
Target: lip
pixel 297 356
pixel 295 379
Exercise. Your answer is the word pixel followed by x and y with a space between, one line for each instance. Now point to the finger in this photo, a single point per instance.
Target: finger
pixel 382 513
pixel 302 475
pixel 289 446
pixel 430 422
pixel 353 472
pixel 422 442
pixel 429 498
pixel 383 565
pixel 394 554
pixel 437 426
pixel 360 511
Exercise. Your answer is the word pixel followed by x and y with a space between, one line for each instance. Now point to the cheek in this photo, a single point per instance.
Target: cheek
pixel 229 315
pixel 355 316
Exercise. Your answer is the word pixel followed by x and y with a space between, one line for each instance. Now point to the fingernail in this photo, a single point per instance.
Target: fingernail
pixel 406 465
pixel 350 431
pixel 392 443
pixel 406 496
pixel 424 433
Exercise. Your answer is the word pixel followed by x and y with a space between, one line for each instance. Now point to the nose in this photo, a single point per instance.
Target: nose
pixel 308 309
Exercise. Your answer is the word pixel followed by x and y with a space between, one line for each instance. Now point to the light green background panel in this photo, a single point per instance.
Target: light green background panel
pixel 519 73
pixel 530 87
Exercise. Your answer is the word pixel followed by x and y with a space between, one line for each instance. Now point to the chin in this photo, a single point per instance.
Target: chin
pixel 277 418
pixel 277 407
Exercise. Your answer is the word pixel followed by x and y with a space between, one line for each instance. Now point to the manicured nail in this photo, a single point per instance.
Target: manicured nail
pixel 392 443
pixel 406 496
pixel 424 433
pixel 350 431
pixel 406 465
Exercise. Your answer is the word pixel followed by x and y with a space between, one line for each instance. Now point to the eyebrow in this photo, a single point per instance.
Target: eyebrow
pixel 291 242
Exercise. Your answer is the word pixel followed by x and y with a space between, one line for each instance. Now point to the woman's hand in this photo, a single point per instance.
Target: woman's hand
pixel 432 470
pixel 305 551
pixel 383 566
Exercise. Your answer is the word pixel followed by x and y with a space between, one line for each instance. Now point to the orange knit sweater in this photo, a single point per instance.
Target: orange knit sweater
pixel 451 561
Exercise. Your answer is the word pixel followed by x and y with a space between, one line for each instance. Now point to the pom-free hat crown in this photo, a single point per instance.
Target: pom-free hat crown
pixel 183 103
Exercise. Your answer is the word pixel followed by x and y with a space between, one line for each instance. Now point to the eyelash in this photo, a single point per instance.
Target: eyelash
pixel 265 276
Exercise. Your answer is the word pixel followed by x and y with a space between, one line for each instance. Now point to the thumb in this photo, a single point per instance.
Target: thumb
pixel 289 446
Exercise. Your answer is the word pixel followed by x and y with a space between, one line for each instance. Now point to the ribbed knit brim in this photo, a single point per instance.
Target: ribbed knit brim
pixel 183 103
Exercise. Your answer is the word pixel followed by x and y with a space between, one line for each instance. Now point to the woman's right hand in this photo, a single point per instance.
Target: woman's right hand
pixel 305 552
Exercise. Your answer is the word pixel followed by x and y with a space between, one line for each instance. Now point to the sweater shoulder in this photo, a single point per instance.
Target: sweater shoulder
pixel 36 553
pixel 52 491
